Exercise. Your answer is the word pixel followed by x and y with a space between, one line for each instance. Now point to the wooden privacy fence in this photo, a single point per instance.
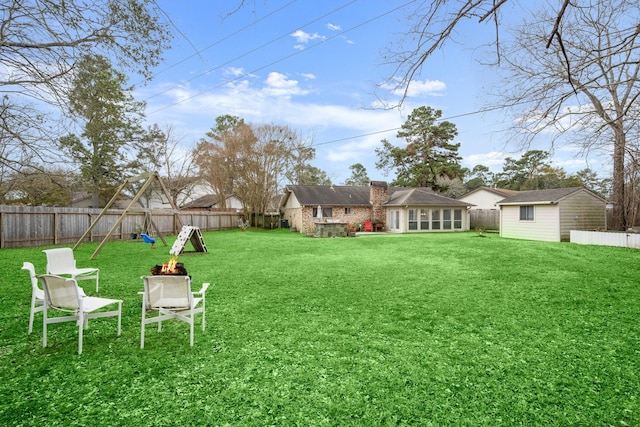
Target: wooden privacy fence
pixel 488 219
pixel 25 226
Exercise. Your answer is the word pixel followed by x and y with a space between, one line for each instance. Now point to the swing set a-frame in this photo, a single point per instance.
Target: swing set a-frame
pixel 150 179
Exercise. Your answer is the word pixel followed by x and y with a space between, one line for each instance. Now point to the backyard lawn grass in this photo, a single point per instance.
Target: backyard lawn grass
pixel 432 329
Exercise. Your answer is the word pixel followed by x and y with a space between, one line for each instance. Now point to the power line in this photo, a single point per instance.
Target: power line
pixel 287 56
pixel 471 113
pixel 217 42
pixel 262 46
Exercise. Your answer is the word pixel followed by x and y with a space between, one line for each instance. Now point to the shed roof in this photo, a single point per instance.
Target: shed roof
pixel 549 196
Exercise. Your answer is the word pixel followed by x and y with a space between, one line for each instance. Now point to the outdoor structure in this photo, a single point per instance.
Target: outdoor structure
pixel 211 201
pixel 308 208
pixel 486 198
pixel 149 180
pixel 485 213
pixel 421 209
pixel 550 215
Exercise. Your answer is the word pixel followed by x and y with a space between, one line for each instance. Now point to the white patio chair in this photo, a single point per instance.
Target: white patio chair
pixel 171 298
pixel 60 262
pixel 37 294
pixel 63 294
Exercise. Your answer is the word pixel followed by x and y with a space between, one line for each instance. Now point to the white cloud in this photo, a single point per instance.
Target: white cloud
pixel 423 88
pixel 234 71
pixel 308 76
pixel 494 160
pixel 302 38
pixel 333 27
pixel 347 40
pixel 343 135
pixel 277 84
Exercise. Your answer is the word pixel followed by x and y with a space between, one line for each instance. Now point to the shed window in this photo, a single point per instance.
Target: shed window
pixel 526 213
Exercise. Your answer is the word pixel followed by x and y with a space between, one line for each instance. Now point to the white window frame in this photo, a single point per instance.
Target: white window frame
pixel 529 213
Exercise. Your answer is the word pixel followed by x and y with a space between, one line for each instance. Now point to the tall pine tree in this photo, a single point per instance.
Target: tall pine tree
pixel 429 153
pixel 110 119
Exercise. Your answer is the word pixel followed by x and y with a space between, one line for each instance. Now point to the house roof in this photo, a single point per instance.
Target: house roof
pixel 336 195
pixel 206 201
pixel 359 195
pixel 497 191
pixel 421 197
pixel 550 196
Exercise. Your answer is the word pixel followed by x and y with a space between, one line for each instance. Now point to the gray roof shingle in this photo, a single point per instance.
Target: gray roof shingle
pixel 552 195
pixel 421 197
pixel 336 195
pixel 358 195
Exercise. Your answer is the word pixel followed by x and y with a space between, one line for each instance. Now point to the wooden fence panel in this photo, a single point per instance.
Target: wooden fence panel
pixel 483 218
pixel 26 226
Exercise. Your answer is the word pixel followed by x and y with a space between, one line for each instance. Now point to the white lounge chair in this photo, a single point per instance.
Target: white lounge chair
pixel 171 298
pixel 60 261
pixel 63 294
pixel 37 294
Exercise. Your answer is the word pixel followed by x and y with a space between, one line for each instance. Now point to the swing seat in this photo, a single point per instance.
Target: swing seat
pixel 148 239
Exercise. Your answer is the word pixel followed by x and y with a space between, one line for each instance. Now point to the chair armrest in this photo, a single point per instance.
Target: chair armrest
pixel 203 289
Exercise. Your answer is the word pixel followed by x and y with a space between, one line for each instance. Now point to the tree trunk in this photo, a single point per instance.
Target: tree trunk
pixel 618 190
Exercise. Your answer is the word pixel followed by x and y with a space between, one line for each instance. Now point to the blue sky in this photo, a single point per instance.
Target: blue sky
pixel 318 67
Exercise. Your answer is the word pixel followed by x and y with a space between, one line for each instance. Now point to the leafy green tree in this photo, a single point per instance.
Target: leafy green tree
pixel 479 176
pixel 40 46
pixel 589 179
pixel 39 187
pixel 110 120
pixel 523 173
pixel 358 175
pixel 429 153
pixel 311 175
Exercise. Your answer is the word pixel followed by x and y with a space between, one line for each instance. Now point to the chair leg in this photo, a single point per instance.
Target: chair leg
pixel 33 307
pixel 142 327
pixel 44 327
pixel 119 318
pixel 203 320
pixel 81 322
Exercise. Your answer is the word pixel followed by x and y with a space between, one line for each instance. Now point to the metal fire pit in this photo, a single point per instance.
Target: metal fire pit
pixel 179 270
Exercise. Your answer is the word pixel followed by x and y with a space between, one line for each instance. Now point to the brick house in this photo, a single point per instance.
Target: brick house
pixel 394 209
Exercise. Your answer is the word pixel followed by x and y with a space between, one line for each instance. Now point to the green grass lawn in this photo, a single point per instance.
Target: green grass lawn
pixel 429 329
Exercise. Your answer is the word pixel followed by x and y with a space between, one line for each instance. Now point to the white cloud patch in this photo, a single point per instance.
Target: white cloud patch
pixel 419 88
pixel 303 38
pixel 494 160
pixel 333 27
pixel 233 71
pixel 343 135
pixel 277 84
pixel 309 76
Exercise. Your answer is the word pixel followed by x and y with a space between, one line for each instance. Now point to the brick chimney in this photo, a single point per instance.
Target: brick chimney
pixel 377 196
